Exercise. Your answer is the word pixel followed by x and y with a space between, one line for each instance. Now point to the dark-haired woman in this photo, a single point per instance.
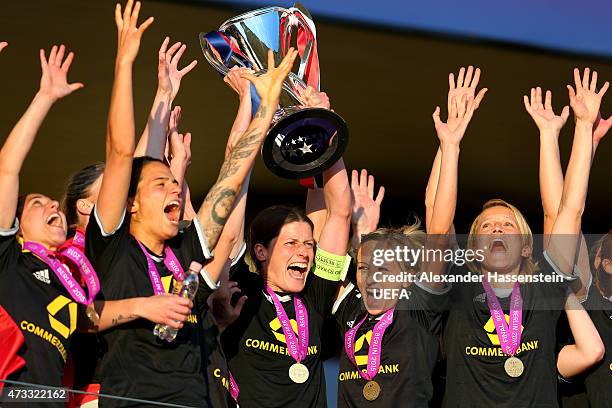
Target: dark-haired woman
pixel 493 359
pixel 274 346
pixel 36 287
pixel 80 198
pixel 138 250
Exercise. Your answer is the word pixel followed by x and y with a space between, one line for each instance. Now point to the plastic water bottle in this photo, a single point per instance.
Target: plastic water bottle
pixel 186 288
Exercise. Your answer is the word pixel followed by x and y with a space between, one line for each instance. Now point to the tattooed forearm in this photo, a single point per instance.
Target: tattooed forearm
pixel 243 149
pixel 223 206
pixel 216 209
pixel 261 112
pixel 120 319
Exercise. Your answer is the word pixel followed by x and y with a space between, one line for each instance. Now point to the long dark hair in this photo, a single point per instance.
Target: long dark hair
pixel 78 187
pixel 603 280
pixel 267 225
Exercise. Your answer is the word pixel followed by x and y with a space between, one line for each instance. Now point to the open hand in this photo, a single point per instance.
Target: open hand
pixel 585 100
pixel 128 33
pixel 543 114
pixel 269 84
pixel 467 81
pixel 366 208
pixel 459 116
pixel 54 78
pixel 180 144
pixel 168 75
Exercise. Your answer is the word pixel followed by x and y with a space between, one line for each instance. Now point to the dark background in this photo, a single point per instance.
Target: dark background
pixel 384 83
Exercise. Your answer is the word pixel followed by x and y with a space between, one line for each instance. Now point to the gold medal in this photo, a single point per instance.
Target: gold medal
pixel 371 390
pixel 514 367
pixel 91 313
pixel 298 373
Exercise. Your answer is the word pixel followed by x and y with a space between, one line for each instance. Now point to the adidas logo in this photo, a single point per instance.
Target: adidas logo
pixel 42 276
pixel 350 323
pixel 480 298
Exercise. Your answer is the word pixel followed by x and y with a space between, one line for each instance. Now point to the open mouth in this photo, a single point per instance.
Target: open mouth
pixel 498 245
pixel 54 220
pixel 173 211
pixel 297 270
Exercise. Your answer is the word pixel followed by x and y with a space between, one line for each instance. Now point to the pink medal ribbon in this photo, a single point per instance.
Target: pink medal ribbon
pixel 79 240
pixel 171 263
pixel 509 334
pixel 297 348
pixel 233 386
pixel 63 273
pixel 375 350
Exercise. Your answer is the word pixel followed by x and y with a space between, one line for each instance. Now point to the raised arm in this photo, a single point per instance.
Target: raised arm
pixel 450 134
pixel 366 209
pixel 587 350
pixel 337 193
pixel 153 140
pixel 458 95
pixel 219 201
pixel 315 199
pixel 551 175
pixel 585 102
pixel 53 86
pixel 120 143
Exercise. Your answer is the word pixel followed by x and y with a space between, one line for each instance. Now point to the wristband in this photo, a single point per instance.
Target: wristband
pixel 330 266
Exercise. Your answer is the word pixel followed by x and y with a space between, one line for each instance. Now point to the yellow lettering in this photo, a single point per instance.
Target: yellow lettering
pixel 217 373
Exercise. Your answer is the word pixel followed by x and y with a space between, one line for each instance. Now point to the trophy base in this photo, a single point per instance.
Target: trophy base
pixel 304 142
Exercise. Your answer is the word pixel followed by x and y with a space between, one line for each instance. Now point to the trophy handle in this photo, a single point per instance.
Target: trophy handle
pixel 294 18
pixel 213 56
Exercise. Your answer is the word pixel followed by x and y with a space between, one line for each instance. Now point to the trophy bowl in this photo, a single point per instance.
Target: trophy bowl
pixel 302 142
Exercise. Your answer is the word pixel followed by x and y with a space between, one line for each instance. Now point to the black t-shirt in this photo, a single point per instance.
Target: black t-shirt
pixel 216 364
pixel 475 361
pixel 599 380
pixel 256 349
pixel 409 350
pixel 41 307
pixel 135 362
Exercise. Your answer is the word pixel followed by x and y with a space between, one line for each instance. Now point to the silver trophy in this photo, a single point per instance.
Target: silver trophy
pixel 302 142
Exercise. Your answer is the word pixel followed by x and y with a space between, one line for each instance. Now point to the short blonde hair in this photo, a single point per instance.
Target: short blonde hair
pixel 528 266
pixel 411 236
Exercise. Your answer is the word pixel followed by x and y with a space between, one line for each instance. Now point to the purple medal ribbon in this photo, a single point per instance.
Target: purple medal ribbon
pixel 298 349
pixel 171 263
pixel 233 386
pixel 63 273
pixel 509 334
pixel 375 350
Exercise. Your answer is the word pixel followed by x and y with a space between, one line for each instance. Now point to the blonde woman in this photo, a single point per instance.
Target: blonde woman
pixel 499 332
